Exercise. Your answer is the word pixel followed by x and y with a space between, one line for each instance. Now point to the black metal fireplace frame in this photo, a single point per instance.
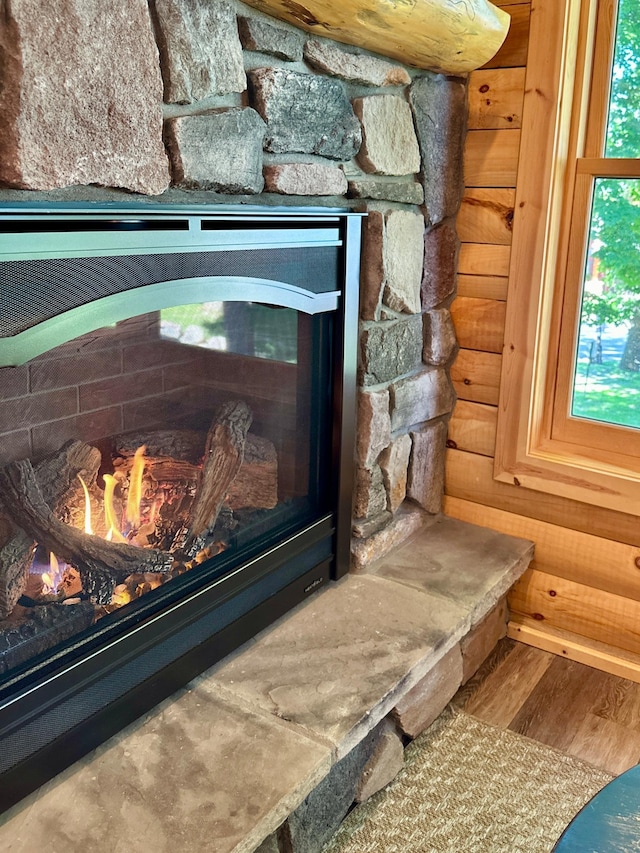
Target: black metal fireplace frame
pixel 56 711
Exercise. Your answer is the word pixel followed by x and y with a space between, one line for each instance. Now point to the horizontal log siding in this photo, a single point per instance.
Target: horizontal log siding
pixel 581 597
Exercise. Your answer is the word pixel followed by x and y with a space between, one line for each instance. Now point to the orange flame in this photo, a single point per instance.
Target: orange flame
pixel 135 487
pixel 113 533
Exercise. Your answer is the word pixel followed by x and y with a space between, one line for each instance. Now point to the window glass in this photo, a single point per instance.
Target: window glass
pixel 623 126
pixel 606 384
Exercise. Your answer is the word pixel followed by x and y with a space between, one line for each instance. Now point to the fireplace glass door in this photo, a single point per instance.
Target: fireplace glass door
pixel 191 436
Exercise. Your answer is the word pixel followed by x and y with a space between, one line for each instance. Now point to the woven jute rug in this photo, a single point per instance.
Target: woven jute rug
pixel 468 787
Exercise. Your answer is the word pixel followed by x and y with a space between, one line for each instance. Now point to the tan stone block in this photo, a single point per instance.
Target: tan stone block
pixel 440 110
pixel 81 97
pixel 334 667
pixel 403 259
pixel 354 67
pixel 390 145
pixel 422 397
pixel 236 774
pixel 387 189
pixel 471 565
pixel 441 247
pixel 424 702
pixel 305 179
pixel 481 640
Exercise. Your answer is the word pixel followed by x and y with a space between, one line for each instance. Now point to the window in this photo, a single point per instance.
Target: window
pixel 569 418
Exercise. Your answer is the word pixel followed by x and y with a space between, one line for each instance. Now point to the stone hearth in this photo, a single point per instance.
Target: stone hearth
pixel 267 748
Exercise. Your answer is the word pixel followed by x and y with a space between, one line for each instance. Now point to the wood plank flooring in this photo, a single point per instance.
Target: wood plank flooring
pixel 566 705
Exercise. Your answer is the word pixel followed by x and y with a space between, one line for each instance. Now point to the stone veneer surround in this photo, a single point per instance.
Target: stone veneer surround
pixel 256 111
pixel 209 101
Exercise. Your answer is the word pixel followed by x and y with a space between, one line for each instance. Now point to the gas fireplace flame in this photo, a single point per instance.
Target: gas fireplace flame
pixel 134 496
pixel 132 510
pixel 51 578
pixel 87 507
pixel 113 528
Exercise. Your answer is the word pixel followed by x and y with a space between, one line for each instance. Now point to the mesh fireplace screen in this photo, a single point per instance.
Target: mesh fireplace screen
pixel 35 290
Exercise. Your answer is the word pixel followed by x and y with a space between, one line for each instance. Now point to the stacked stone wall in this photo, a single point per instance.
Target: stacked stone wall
pixel 214 102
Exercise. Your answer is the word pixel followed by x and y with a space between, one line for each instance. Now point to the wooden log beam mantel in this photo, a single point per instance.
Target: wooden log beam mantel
pixel 447 36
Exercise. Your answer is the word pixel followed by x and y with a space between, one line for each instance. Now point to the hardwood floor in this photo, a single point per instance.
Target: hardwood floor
pixel 571 707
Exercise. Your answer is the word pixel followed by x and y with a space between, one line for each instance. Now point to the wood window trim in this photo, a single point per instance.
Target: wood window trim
pixel 526 454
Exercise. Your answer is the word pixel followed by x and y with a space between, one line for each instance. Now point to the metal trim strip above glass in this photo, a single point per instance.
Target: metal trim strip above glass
pixel 77 244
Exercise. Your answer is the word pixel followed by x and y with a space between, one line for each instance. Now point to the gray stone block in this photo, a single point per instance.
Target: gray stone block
pixel 394 462
pixel 364 552
pixel 390 349
pixel 200 51
pixel 220 151
pixel 426 470
pixel 81 97
pixel 266 37
pixel 269 845
pixel 305 114
pixel 374 426
pixel 440 111
pixel 420 398
pixel 314 822
pixel 370 498
pixel 440 340
pixel 387 189
pixel 389 145
pixel 361 68
pixel 363 529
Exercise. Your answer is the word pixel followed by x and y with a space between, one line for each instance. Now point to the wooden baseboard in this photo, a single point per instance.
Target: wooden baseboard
pixel 572 646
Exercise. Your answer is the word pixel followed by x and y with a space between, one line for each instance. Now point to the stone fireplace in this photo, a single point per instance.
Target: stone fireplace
pixel 177 434
pixel 190 103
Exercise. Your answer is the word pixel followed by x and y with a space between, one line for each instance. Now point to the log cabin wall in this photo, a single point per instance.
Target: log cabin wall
pixel 581 596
